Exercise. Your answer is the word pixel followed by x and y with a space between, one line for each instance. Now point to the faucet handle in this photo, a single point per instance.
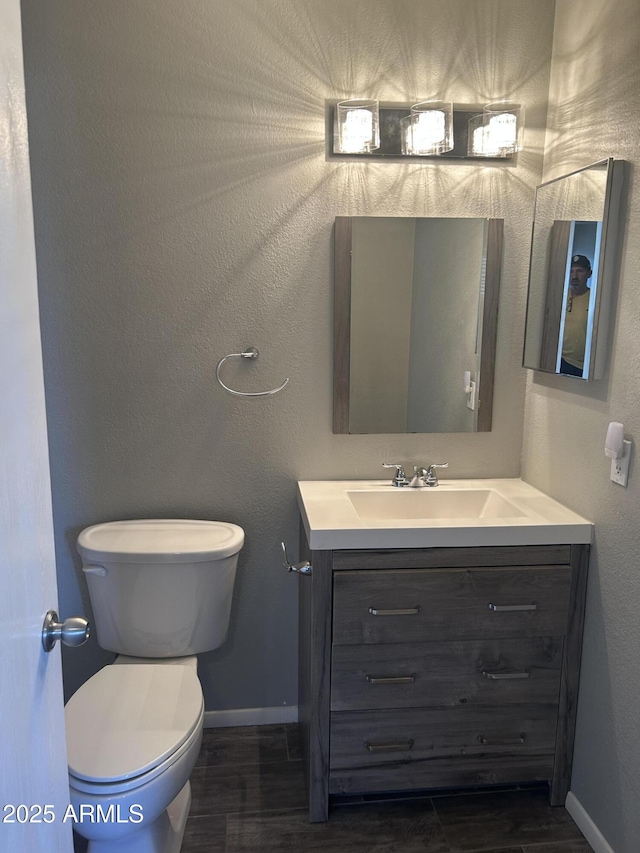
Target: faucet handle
pixel 431 479
pixel 400 478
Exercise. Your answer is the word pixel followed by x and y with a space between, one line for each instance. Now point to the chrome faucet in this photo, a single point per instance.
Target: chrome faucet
pixel 429 477
pixel 418 479
pixel 400 478
pixel 426 476
pixel 421 476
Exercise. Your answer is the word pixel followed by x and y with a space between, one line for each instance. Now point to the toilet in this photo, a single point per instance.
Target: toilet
pixel 161 592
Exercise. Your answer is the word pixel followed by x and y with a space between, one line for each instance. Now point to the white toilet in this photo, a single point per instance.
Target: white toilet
pixel 161 593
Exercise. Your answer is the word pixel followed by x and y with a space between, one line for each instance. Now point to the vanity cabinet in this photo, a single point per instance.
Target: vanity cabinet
pixel 439 668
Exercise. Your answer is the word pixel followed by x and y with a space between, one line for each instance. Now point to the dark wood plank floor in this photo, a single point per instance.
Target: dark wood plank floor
pixel 249 797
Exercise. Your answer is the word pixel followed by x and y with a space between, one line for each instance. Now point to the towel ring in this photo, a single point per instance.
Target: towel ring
pixel 250 352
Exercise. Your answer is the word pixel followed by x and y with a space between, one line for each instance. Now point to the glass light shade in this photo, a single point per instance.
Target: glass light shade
pixel 406 136
pixel 504 122
pixel 358 127
pixel 431 127
pixel 478 142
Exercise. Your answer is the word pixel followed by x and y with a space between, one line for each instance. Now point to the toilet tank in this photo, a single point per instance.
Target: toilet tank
pixel 161 587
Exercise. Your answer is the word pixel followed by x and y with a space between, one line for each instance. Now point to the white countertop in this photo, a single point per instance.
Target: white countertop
pixel 331 521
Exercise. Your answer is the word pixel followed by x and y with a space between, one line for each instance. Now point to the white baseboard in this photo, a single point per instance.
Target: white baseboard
pixel 251 717
pixel 586 825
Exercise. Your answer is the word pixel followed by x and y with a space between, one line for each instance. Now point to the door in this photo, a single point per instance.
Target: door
pixel 33 784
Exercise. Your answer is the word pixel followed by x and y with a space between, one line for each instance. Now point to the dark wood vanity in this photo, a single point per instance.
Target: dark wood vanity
pixel 439 668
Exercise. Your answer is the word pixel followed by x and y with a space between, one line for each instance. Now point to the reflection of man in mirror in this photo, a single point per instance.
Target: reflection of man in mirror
pixel 576 317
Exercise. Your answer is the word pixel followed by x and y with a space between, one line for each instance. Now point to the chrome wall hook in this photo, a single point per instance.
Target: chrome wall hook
pixel 250 352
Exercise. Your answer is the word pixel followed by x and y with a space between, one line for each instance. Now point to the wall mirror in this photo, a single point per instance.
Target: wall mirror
pixel 415 319
pixel 571 271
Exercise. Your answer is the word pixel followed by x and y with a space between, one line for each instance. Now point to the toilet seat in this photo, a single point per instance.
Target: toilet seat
pixel 128 723
pixel 106 789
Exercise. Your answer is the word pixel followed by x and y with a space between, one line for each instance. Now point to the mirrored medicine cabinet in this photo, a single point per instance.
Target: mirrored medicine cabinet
pixel 415 320
pixel 573 256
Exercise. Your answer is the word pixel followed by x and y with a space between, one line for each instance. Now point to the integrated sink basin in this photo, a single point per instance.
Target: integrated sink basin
pixel 365 514
pixel 432 503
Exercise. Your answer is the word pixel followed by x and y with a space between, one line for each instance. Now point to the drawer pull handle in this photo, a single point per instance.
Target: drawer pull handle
pixel 402 611
pixel 507 741
pixel 388 746
pixel 391 679
pixel 504 676
pixel 510 608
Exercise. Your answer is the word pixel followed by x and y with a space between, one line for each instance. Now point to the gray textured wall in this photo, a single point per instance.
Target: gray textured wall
pixel 184 208
pixel 594 108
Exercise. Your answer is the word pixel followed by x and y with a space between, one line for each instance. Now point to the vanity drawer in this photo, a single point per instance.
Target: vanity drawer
pixel 463 672
pixel 432 748
pixel 399 606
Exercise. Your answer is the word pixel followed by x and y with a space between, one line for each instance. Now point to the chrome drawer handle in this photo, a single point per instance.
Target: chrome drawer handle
pixel 510 608
pixel 388 746
pixel 402 611
pixel 504 676
pixel 391 679
pixel 521 738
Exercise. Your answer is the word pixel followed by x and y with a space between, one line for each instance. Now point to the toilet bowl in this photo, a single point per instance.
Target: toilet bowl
pixel 134 733
pixel 134 729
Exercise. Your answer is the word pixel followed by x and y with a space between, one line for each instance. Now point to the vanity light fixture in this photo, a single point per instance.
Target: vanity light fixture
pixel 497 131
pixel 427 129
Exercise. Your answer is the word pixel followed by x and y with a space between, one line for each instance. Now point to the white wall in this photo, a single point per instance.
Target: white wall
pixel 594 113
pixel 184 208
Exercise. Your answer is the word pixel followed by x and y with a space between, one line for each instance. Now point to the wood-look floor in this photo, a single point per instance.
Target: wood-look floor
pixel 249 797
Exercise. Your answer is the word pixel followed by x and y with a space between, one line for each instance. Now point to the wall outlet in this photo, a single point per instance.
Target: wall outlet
pixel 620 467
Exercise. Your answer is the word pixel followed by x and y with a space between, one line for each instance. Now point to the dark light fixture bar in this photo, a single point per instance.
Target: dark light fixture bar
pixel 390 130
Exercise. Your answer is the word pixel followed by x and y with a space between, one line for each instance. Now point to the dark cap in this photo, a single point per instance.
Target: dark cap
pixel 581 261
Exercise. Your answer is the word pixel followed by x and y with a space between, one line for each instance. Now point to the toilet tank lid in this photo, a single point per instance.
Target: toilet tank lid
pixel 160 540
pixel 125 720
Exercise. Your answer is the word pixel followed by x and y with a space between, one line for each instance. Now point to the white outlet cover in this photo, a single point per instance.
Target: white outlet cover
pixel 620 467
pixel 471 398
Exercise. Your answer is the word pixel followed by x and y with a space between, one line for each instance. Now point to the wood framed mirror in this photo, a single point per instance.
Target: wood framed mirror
pixel 415 322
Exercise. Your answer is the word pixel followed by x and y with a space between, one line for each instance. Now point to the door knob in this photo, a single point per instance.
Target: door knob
pixel 74 631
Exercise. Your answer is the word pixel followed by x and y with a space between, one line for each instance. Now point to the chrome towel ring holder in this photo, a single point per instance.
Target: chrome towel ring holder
pixel 250 352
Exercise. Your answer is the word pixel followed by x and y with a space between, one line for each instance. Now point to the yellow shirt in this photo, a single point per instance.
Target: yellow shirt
pixel 575 330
